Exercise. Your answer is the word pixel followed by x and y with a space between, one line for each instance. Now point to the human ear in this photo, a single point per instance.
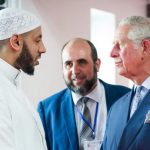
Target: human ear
pixel 97 64
pixel 16 42
pixel 145 48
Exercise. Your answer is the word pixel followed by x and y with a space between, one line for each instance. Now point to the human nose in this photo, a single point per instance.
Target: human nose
pixel 42 48
pixel 114 52
pixel 75 68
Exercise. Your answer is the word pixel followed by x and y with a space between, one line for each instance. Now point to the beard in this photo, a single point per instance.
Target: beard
pixel 25 61
pixel 84 89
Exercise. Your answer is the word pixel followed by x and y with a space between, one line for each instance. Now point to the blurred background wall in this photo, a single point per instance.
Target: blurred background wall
pixel 63 20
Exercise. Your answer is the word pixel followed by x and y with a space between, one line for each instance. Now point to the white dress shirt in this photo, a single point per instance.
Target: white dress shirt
pixel 146 83
pixel 97 95
pixel 20 125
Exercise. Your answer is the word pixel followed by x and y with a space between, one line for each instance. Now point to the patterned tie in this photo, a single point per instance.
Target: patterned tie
pixel 137 99
pixel 85 130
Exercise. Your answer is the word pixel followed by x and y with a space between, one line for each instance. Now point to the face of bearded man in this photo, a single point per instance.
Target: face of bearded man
pixel 31 52
pixel 88 85
pixel 25 61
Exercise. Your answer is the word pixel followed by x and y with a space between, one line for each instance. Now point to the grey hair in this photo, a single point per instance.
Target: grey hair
pixel 139 28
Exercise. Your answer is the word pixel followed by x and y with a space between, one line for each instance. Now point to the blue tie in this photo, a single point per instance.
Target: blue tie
pixel 137 99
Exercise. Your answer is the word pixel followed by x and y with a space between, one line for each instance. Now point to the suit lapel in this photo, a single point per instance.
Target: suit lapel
pixel 69 119
pixel 123 115
pixel 135 123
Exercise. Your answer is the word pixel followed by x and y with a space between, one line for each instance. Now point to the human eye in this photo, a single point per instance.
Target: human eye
pixel 82 62
pixel 68 64
pixel 122 45
pixel 38 40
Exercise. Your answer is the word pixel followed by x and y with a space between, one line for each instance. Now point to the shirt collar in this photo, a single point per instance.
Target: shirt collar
pixel 10 72
pixel 95 94
pixel 146 83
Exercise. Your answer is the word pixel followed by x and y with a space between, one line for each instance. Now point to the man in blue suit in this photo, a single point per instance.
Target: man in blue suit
pixel 61 113
pixel 128 124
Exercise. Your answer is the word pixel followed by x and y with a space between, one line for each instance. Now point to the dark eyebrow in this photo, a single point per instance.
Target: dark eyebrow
pixel 67 61
pixel 82 60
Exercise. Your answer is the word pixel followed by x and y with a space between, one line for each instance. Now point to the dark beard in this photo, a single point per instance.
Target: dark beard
pixel 25 61
pixel 86 88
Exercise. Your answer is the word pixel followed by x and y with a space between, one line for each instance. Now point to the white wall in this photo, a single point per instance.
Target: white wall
pixel 63 20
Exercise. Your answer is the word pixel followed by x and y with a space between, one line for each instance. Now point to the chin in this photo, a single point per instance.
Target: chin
pixel 121 72
pixel 124 74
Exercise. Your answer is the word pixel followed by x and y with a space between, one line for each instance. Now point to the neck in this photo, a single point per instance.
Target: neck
pixel 140 80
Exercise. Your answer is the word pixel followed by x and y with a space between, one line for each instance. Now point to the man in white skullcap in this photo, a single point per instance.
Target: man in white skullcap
pixel 20 48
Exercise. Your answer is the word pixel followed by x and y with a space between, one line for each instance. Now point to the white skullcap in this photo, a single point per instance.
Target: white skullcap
pixel 16 21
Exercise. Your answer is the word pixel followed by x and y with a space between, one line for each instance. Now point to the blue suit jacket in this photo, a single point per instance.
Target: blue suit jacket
pixel 123 133
pixel 58 118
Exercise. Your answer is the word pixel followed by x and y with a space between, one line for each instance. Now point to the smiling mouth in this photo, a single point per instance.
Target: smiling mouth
pixel 36 62
pixel 37 59
pixel 78 80
pixel 118 61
